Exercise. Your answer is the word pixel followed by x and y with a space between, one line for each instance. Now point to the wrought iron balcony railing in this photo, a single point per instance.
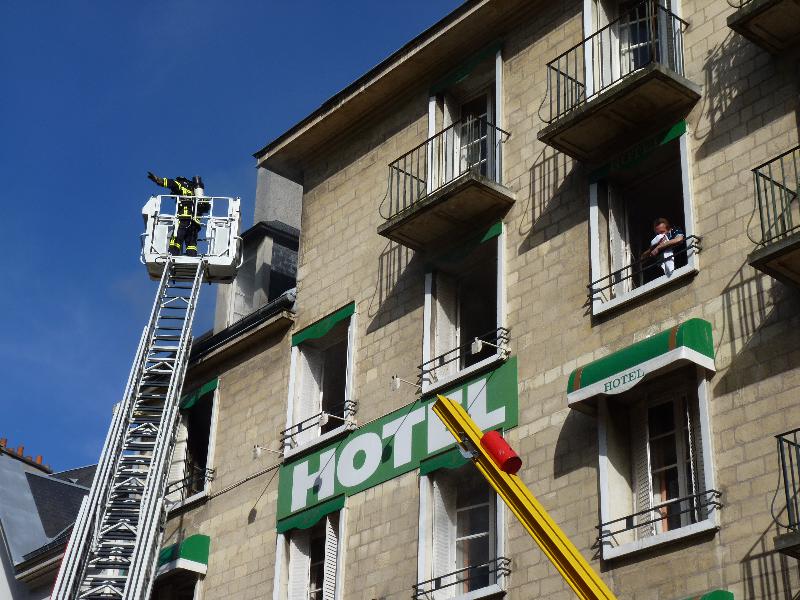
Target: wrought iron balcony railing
pixel 647 33
pixel 777 184
pixel 193 482
pixel 475 576
pixel 641 271
pixel 468 146
pixel 696 506
pixel 322 422
pixel 460 357
pixel 789 453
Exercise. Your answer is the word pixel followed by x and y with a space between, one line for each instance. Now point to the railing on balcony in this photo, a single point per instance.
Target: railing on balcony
pixel 738 3
pixel 322 422
pixel 777 184
pixel 642 271
pixel 474 577
pixel 789 453
pixel 460 357
pixel 647 33
pixel 467 146
pixel 193 482
pixel 695 507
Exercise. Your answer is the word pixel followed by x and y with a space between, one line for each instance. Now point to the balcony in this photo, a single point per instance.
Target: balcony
pixel 475 581
pixel 447 186
pixel 772 24
pixel 464 360
pixel 789 454
pixel 777 183
pixel 619 85
pixel 643 276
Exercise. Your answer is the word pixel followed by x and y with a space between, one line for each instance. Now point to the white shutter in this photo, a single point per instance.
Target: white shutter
pixel 177 465
pixel 299 564
pixel 308 401
pixel 331 556
pixel 643 493
pixel 444 535
pixel 698 475
pixel 618 239
pixel 450 141
pixel 446 337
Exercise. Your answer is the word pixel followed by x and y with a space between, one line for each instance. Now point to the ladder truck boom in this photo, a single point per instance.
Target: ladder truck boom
pixel 113 549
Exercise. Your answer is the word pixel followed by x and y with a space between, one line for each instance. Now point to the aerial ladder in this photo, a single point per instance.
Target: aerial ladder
pixel 113 549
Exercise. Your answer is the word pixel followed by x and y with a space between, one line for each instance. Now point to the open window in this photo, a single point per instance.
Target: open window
pixel 320 403
pixel 461 542
pixel 313 561
pixel 191 468
pixel 655 485
pixel 464 302
pixel 641 221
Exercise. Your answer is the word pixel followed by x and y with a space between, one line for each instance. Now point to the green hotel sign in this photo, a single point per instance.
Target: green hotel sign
pixel 388 447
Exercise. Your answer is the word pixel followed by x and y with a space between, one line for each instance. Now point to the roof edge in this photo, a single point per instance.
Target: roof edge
pixel 389 63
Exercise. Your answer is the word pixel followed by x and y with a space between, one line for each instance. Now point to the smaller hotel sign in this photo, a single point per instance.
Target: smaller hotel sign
pixel 394 444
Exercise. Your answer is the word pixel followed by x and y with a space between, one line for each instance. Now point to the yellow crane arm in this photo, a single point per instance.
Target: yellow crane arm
pixel 575 570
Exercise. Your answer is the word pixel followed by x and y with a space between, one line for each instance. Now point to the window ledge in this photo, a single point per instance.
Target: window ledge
pixel 599 307
pixel 439 385
pixel 197 498
pixel 325 437
pixel 490 591
pixel 710 524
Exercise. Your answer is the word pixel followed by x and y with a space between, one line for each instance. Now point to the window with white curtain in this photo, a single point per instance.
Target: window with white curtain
pixel 322 369
pixel 313 561
pixel 463 302
pixel 463 536
pixel 654 480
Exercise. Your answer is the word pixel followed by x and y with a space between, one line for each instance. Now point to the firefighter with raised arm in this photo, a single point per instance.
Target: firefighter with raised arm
pixel 188 211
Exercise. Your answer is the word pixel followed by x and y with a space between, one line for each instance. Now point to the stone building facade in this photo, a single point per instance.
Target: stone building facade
pixel 479 218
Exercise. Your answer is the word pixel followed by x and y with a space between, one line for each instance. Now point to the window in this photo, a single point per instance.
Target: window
pixel 654 482
pixel 320 399
pixel 462 553
pixel 177 585
pixel 627 197
pixel 463 302
pixel 190 469
pixel 628 35
pixel 465 115
pixel 313 561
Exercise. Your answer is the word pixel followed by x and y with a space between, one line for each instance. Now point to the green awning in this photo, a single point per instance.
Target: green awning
pixel 452 459
pixel 715 595
pixel 190 554
pixel 690 341
pixel 323 326
pixel 639 152
pixel 189 400
pixel 311 516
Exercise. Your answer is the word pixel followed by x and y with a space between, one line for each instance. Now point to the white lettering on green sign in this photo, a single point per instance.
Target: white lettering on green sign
pixel 394 444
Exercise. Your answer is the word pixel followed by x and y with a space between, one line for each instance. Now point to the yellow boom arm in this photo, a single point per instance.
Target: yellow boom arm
pixel 548 536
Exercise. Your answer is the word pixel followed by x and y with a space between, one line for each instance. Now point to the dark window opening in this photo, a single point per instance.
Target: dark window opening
pixel 174 586
pixel 630 199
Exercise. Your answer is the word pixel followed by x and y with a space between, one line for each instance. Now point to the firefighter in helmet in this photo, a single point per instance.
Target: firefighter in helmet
pixel 189 211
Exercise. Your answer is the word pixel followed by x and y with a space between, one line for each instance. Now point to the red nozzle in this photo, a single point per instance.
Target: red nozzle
pixel 502 454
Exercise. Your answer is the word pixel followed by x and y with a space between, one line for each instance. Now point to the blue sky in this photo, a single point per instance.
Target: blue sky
pixel 95 94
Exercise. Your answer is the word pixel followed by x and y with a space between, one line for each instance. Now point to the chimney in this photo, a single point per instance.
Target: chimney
pixel 38 459
pixel 20 450
pixel 3 442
